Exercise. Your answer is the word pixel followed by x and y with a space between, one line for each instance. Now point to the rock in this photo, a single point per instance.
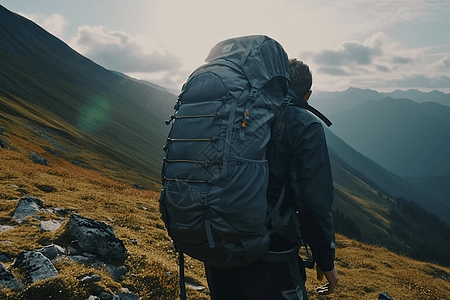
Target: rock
pixel 105 296
pixel 2 130
pixel 116 272
pixel 49 226
pixel 4 258
pixel 127 296
pixel 5 227
pixel 8 280
pixel 195 286
pixel 61 211
pixel 37 159
pixel 96 238
pixel 27 206
pixel 384 296
pixel 52 251
pixel 34 266
pixel 138 186
pixel 46 188
pixel 133 241
pixel 90 279
pixel 3 144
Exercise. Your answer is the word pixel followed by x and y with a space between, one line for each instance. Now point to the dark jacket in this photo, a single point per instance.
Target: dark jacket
pixel 300 158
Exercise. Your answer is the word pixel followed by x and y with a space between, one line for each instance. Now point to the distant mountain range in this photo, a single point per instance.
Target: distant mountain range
pixel 406 132
pixel 333 102
pixel 408 138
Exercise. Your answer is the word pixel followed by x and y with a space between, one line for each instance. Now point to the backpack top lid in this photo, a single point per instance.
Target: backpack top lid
pixel 259 56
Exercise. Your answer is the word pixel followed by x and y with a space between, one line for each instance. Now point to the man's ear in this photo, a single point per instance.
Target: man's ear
pixel 307 95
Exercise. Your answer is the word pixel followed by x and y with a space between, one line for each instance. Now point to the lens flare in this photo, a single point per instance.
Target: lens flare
pixel 95 114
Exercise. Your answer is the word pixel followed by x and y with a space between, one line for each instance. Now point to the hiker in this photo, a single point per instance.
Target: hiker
pixel 299 160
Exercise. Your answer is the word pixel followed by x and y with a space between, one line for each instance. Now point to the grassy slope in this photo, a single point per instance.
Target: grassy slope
pixel 365 270
pixel 364 205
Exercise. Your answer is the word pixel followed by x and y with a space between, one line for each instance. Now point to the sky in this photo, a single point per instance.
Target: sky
pixel 382 45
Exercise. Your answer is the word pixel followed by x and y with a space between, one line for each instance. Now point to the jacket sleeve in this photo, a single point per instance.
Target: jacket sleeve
pixel 312 185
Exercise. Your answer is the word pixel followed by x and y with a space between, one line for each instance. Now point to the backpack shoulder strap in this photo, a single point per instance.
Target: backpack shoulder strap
pixel 305 105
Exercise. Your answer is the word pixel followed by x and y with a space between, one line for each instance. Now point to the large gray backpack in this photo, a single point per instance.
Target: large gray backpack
pixel 215 174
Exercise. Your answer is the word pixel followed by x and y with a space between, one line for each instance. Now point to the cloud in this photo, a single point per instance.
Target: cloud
pixel 334 71
pixel 442 65
pixel 119 51
pixel 368 15
pixel 55 23
pixel 422 81
pixel 378 53
pixel 382 68
pixel 349 53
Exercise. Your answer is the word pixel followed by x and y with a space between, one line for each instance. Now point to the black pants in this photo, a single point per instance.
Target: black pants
pixel 264 279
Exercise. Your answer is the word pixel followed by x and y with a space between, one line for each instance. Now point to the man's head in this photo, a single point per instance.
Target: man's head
pixel 301 78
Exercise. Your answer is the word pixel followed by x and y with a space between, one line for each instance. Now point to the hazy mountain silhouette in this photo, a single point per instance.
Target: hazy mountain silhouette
pixel 408 138
pixel 121 115
pixel 430 193
pixel 420 131
pixel 418 96
pixel 333 102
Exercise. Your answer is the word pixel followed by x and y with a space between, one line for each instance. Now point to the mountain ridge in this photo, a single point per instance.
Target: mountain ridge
pixel 113 110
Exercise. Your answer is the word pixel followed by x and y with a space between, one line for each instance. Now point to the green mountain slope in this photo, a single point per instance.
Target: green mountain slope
pixel 124 118
pixel 385 181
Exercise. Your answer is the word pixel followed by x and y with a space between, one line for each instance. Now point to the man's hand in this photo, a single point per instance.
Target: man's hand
pixel 332 277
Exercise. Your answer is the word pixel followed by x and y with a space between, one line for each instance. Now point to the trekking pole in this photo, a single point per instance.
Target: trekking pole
pixel 182 282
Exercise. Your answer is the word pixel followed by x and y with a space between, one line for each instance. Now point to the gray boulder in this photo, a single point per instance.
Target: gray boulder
pixel 28 206
pixel 127 296
pixel 49 226
pixel 384 296
pixel 90 279
pixel 52 251
pixel 139 186
pixel 3 144
pixel 5 227
pixel 34 266
pixel 37 159
pixel 8 280
pixel 96 238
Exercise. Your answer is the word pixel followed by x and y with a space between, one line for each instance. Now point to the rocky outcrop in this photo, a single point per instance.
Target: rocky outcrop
pixel 3 144
pixel 28 206
pixel 37 159
pixel 384 296
pixel 97 238
pixel 8 280
pixel 139 186
pixel 91 242
pixel 34 266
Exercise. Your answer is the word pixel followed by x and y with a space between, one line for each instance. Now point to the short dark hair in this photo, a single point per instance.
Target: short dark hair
pixel 301 77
